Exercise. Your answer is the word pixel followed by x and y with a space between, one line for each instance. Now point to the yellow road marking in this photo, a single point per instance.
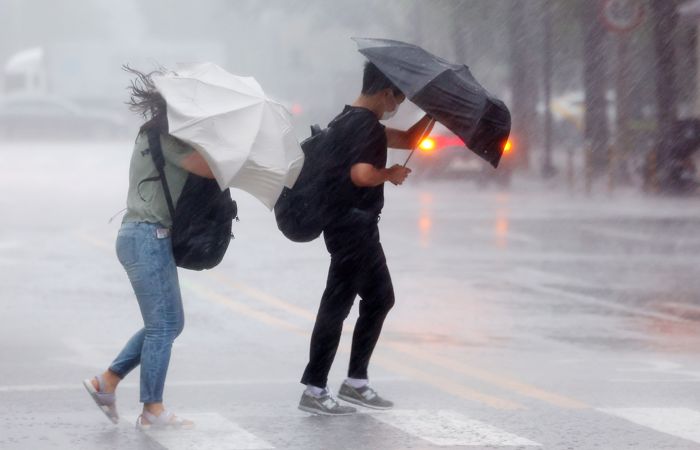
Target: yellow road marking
pixel 264 297
pixel 213 296
pixel 437 382
pixel 489 377
pixel 241 308
pixel 271 300
pixel 446 385
pixel 441 383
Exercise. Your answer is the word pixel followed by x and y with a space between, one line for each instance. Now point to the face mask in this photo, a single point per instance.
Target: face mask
pixel 389 114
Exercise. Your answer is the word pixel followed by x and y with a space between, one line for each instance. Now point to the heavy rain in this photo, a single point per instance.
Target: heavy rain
pixel 349 224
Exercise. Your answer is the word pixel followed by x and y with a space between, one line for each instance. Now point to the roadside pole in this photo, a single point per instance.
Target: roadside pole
pixel 621 17
pixel 588 168
pixel 547 168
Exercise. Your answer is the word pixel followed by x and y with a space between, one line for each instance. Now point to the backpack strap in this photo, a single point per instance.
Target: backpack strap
pixel 159 160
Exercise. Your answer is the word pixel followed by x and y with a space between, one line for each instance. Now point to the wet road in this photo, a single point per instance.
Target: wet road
pixel 529 318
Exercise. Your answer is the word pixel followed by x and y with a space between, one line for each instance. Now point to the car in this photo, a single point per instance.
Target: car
pixel 40 116
pixel 444 155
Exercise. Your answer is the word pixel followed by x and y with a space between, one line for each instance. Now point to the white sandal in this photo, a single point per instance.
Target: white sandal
pixel 106 401
pixel 165 420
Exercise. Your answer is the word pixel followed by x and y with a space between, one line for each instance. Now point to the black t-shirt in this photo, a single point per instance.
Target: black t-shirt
pixel 358 138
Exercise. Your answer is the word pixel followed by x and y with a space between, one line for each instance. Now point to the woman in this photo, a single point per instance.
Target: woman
pixel 144 249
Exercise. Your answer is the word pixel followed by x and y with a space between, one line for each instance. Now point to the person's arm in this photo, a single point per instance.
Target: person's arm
pixel 366 175
pixel 196 164
pixel 408 140
pixel 183 155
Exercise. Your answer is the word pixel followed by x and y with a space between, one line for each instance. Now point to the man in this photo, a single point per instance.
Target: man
pixel 358 264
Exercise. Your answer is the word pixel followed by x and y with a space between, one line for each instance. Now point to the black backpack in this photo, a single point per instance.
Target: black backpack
pixel 202 220
pixel 301 211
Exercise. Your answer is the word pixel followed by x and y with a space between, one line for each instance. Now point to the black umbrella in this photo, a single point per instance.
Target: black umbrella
pixel 446 91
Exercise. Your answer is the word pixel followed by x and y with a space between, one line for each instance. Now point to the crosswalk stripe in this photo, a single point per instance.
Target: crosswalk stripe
pixel 212 431
pixel 680 422
pixel 448 428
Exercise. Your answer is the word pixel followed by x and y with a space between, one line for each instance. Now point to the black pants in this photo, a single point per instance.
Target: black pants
pixel 358 266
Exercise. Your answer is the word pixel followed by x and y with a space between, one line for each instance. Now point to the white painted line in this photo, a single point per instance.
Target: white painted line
pixel 5 245
pixel 448 428
pixel 211 431
pixel 507 236
pixel 83 353
pixel 571 257
pixel 656 371
pixel 535 285
pixel 548 277
pixel 656 236
pixel 682 307
pixel 680 422
pixel 652 380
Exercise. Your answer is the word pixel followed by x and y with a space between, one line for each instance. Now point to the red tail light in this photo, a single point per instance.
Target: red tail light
pixel 508 147
pixel 427 145
pixel 433 143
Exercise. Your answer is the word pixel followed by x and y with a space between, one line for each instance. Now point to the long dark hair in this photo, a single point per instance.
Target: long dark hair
pixel 145 100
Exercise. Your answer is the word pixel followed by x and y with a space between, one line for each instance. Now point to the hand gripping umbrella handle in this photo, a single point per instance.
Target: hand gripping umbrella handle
pixel 422 136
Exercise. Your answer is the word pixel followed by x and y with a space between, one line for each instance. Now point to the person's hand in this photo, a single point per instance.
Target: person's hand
pixel 397 174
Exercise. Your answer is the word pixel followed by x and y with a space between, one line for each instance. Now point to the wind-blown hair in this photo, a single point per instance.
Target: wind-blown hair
pixel 145 100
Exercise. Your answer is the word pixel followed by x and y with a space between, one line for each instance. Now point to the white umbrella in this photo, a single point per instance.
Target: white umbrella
pixel 246 138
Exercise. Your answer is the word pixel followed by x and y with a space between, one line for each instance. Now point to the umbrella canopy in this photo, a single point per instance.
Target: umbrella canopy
pixel 246 138
pixel 448 92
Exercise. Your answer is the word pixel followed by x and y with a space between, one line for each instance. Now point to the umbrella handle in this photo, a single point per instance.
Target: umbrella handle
pixel 422 136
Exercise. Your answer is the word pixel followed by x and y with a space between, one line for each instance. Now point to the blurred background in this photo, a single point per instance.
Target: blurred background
pixel 599 90
pixel 551 302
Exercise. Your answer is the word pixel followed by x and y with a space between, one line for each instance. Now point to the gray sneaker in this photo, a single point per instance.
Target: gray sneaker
pixel 325 405
pixel 364 396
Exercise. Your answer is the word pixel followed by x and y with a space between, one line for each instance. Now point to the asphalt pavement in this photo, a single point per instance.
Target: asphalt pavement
pixel 529 317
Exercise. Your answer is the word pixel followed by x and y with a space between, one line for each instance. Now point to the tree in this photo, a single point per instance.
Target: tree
pixel 665 21
pixel 523 79
pixel 596 133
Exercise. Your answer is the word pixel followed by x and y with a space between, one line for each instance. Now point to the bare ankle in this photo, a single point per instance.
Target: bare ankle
pixel 111 380
pixel 153 408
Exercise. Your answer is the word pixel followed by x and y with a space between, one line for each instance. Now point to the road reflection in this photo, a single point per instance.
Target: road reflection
pixel 502 223
pixel 425 219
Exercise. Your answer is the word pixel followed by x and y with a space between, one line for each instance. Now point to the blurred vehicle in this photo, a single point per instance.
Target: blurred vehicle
pixel 26 116
pixel 676 167
pixel 76 89
pixel 444 155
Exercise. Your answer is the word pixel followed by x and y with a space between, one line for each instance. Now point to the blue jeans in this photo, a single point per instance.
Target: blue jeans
pixel 149 263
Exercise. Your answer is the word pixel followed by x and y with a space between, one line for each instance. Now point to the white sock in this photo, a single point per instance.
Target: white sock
pixel 315 391
pixel 357 383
